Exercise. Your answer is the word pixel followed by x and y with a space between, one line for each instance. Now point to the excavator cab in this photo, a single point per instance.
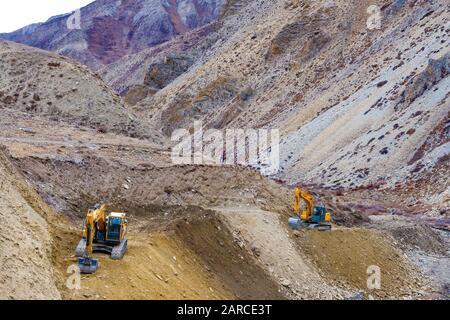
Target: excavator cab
pixel 320 215
pixel 116 227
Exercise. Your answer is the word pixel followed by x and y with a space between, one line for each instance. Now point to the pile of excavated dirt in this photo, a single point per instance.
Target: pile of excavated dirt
pixel 344 256
pixel 74 184
pixel 235 266
pixel 411 234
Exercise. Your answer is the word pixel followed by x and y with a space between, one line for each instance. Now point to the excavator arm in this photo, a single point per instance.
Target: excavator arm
pixel 307 212
pixel 90 232
pixel 95 221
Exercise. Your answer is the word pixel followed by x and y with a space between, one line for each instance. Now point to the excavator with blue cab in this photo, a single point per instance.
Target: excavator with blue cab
pixel 312 216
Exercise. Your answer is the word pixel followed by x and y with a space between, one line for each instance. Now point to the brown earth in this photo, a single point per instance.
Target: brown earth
pixel 344 256
pixel 156 266
pixel 164 260
pixel 205 232
pixel 32 225
pixel 213 242
pixel 177 218
pixel 194 258
pixel 267 236
pixel 25 264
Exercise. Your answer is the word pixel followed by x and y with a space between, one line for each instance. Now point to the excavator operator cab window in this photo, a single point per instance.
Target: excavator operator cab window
pixel 114 229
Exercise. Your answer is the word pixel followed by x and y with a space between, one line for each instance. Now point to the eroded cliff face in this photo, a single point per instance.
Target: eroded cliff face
pixel 111 29
pixel 43 84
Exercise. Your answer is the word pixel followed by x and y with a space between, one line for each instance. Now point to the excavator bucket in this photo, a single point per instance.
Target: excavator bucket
pixel 87 265
pixel 295 223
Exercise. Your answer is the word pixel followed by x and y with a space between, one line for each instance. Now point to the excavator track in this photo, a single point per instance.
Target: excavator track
pixel 119 251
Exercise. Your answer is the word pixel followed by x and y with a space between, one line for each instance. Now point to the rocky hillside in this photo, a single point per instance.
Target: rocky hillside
pixel 364 120
pixel 112 29
pixel 138 75
pixel 42 84
pixel 357 106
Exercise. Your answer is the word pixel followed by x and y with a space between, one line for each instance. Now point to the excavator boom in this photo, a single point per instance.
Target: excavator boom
pixel 88 264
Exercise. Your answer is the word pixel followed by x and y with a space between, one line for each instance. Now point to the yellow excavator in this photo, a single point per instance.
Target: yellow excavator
pixel 101 232
pixel 312 216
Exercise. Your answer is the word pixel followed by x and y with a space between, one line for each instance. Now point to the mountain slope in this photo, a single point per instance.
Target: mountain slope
pixel 129 72
pixel 353 104
pixel 112 29
pixel 362 111
pixel 40 83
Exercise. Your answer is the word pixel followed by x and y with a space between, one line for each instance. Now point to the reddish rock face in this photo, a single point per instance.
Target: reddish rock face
pixel 112 29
